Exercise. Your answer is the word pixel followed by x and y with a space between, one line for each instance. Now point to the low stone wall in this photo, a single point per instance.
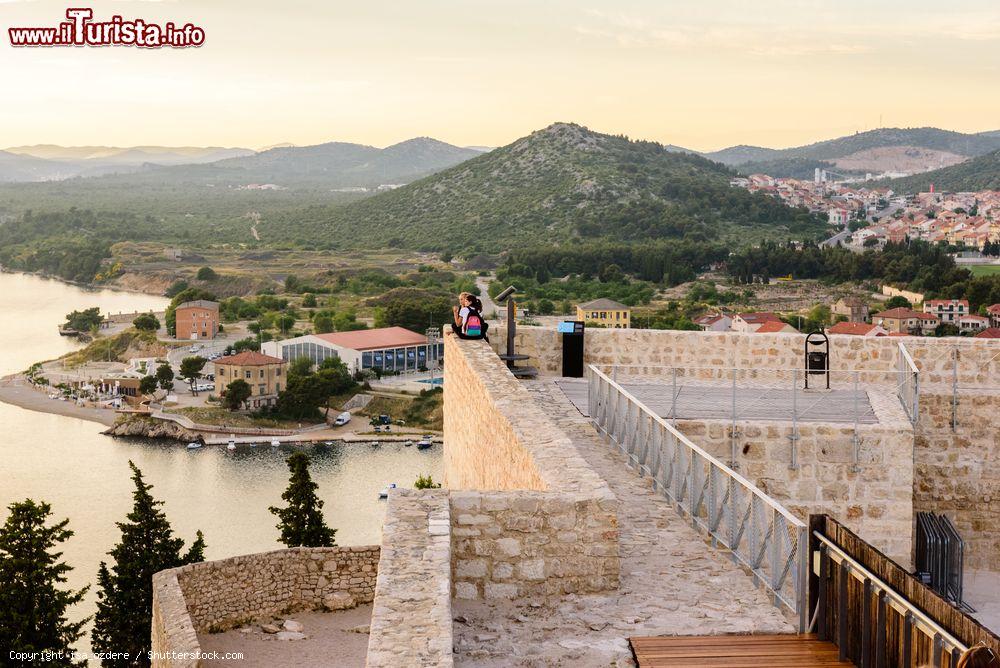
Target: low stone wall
pixel 411 619
pixel 933 356
pixel 958 472
pixel 529 516
pixel 216 595
pixel 875 501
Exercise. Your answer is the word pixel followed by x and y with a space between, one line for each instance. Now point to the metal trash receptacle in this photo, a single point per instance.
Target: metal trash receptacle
pixel 572 348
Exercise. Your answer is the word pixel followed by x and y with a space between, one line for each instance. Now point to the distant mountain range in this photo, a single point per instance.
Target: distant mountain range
pixel 335 164
pixel 906 150
pixel 559 183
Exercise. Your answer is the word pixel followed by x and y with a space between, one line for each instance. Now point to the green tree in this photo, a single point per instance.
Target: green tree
pixel 125 590
pixel 323 323
pixel 148 384
pixel 426 482
pixel 146 322
pixel 309 301
pixel 236 393
pixel 32 603
pixel 301 522
pixel 546 307
pixel 897 302
pixel 207 274
pixel 165 377
pixel 86 320
pixel 191 368
pixel 346 321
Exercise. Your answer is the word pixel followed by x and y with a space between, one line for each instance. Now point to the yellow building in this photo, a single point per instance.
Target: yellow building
pixel 604 312
pixel 264 374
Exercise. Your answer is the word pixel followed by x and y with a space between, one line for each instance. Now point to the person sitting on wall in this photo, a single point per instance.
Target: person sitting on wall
pixel 469 323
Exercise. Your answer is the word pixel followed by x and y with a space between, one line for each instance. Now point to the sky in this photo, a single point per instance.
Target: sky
pixel 701 74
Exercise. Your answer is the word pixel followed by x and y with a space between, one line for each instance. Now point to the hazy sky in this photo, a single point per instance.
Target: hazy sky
pixel 702 74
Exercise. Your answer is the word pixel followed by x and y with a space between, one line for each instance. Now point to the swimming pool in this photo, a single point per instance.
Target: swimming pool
pixel 432 381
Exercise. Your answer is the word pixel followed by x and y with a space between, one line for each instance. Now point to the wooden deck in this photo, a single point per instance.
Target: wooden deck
pixel 715 402
pixel 756 651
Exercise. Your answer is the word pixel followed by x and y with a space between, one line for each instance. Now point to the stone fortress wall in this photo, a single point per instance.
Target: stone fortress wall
pixel 954 470
pixel 529 516
pixel 222 594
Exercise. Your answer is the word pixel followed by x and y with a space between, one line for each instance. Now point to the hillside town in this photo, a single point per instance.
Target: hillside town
pixel 877 215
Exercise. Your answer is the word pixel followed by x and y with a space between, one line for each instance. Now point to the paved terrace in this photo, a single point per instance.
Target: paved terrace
pixel 707 401
pixel 671 582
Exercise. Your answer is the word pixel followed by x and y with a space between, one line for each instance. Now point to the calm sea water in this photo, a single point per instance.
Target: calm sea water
pixel 85 476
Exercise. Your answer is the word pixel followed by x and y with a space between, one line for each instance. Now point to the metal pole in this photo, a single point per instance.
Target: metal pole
pixel 793 462
pixel 673 399
pixel 954 389
pixel 857 441
pixel 732 455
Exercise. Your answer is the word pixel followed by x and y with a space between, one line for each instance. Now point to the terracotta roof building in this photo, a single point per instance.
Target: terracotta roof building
pixel 264 374
pixel 902 320
pixel 197 320
pixel 751 322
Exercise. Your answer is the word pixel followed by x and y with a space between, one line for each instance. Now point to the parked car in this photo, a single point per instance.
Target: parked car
pixel 342 419
pixel 204 387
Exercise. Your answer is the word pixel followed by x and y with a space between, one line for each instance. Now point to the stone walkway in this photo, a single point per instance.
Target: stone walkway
pixel 672 583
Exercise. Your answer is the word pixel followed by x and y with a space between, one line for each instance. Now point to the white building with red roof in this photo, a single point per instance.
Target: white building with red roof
pixel 947 310
pixel 748 323
pixel 714 322
pixel 388 349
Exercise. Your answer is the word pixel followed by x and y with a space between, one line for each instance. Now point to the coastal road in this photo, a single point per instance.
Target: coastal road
pixel 483 283
pixel 837 238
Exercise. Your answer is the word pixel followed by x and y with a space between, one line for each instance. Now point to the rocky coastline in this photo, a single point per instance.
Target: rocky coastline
pixel 144 427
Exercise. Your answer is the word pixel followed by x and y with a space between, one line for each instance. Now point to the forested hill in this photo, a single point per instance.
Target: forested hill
pixel 557 184
pixel 982 173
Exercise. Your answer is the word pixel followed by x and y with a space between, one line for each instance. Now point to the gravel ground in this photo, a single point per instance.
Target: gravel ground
pixel 327 643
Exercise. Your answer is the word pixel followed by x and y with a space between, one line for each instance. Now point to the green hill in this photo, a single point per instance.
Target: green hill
pixel 799 161
pixel 561 183
pixel 982 173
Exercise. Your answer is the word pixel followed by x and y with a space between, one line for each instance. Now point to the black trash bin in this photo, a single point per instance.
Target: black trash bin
pixel 817 356
pixel 572 346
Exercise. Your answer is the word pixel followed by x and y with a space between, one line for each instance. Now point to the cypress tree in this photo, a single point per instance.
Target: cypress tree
pixel 301 522
pixel 32 605
pixel 125 590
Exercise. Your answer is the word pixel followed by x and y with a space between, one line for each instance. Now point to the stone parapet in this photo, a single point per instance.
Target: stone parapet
pixel 411 619
pixel 529 515
pixel 933 356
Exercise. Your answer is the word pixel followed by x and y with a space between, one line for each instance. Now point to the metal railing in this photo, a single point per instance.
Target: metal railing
pixel 744 396
pixel 908 387
pixel 759 533
pixel 872 651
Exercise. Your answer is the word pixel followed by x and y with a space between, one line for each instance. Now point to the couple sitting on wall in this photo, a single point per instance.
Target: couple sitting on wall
pixel 469 322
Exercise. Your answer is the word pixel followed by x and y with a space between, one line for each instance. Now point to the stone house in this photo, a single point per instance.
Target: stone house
pixel 264 374
pixel 852 308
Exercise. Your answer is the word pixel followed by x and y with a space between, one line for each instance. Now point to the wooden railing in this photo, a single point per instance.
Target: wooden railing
pixel 876 612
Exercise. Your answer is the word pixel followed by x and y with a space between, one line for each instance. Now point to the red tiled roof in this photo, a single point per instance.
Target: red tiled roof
pixel 993 309
pixel 248 358
pixel 759 317
pixel 900 313
pixel 772 327
pixel 853 328
pixel 370 339
pixel 989 333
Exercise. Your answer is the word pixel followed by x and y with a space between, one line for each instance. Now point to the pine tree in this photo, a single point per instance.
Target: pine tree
pixel 301 522
pixel 125 594
pixel 32 605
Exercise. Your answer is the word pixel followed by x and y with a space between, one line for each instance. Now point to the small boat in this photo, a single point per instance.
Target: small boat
pixel 374 444
pixel 194 445
pixel 408 443
pixel 424 443
pixel 231 445
pixel 327 442
pixel 384 494
pixel 275 442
